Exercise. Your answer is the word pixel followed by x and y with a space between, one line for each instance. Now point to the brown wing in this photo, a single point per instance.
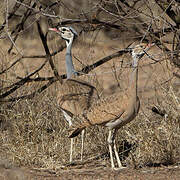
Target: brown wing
pixel 76 96
pixel 107 109
pixel 101 112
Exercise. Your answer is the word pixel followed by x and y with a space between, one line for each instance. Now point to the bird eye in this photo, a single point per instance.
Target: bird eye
pixel 63 29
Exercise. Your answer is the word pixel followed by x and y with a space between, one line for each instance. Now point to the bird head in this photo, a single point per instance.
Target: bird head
pixel 140 49
pixel 66 33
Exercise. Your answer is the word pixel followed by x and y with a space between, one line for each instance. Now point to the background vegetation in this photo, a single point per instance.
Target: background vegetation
pixel 32 129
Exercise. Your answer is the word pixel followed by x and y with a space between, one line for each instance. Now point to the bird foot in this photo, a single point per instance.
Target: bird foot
pixel 119 168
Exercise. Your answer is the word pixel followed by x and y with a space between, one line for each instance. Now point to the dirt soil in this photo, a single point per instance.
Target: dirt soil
pixel 89 172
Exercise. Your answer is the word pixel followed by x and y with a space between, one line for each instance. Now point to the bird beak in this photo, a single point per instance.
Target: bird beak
pixel 150 45
pixel 54 29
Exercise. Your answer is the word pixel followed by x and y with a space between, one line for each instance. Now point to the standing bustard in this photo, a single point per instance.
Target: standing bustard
pixel 116 110
pixel 75 95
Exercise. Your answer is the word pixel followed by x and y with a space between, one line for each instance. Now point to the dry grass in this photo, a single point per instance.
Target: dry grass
pixel 33 133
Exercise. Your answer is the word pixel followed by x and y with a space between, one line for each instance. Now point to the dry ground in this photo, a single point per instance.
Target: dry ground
pixel 91 172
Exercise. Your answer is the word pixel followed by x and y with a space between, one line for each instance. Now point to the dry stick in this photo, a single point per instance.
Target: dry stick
pixel 10 15
pixel 20 83
pixel 158 34
pixel 20 26
pixel 163 47
pixel 32 95
pixel 24 80
pixel 86 70
pixel 48 55
pixel 89 68
pixel 51 80
pixel 41 11
pixel 61 48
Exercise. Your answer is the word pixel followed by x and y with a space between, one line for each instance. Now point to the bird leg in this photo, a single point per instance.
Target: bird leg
pixel 82 145
pixel 71 150
pixel 117 156
pixel 110 142
pixel 115 150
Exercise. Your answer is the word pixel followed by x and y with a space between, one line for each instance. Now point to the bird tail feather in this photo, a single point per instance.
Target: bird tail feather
pixel 76 129
pixel 76 132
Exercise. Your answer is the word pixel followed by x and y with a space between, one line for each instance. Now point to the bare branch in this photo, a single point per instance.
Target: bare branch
pixel 30 96
pixel 87 68
pixel 51 80
pixel 61 48
pixel 20 27
pixel 20 83
pixel 10 15
pixel 48 55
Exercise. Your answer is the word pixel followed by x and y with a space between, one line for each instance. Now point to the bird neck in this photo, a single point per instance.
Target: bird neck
pixel 69 64
pixel 132 89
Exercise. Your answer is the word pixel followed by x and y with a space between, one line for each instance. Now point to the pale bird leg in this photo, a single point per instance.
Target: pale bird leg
pixel 110 148
pixel 69 120
pixel 82 144
pixel 115 149
pixel 117 156
pixel 71 150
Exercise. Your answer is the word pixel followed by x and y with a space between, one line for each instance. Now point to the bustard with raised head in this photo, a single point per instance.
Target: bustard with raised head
pixel 75 95
pixel 116 110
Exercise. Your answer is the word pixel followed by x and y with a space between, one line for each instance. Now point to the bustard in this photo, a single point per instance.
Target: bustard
pixel 75 95
pixel 115 110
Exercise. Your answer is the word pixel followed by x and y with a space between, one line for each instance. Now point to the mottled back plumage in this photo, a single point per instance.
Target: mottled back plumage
pixel 77 95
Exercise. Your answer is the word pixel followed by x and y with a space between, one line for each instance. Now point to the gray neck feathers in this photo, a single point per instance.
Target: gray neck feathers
pixel 135 60
pixel 134 77
pixel 134 68
pixel 69 64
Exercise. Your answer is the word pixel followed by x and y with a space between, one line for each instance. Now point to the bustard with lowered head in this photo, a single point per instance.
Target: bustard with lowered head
pixel 75 95
pixel 116 110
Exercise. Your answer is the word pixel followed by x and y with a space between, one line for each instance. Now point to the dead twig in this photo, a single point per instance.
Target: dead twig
pixel 48 55
pixel 21 82
pixel 29 96
pixel 51 80
pixel 20 27
pixel 61 48
pixel 10 15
